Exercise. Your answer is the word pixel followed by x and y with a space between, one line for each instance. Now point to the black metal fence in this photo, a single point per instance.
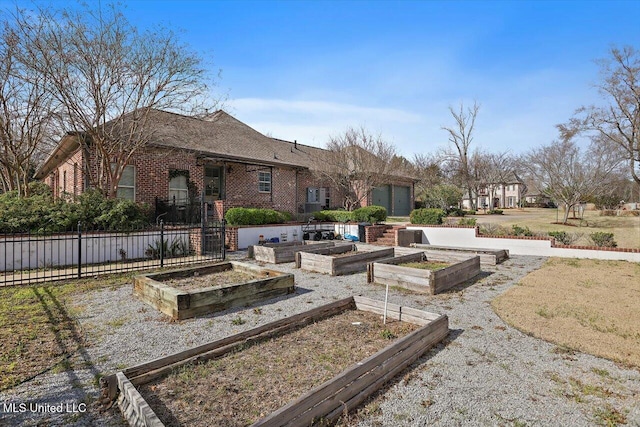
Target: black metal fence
pixel 27 258
pixel 172 213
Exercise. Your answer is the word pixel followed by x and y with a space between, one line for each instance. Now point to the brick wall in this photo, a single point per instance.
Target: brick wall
pixel 372 232
pixel 67 179
pixel 240 181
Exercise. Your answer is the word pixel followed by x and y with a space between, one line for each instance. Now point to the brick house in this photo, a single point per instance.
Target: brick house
pixel 231 163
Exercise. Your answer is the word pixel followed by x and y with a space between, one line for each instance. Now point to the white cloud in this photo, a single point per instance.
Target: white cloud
pixel 313 122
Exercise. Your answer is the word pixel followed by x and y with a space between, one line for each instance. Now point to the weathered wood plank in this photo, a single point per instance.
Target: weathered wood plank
pixel 487 256
pixel 421 280
pixel 350 387
pixel 278 329
pixel 324 398
pixel 335 266
pixel 437 335
pixel 375 306
pixel 293 321
pixel 277 253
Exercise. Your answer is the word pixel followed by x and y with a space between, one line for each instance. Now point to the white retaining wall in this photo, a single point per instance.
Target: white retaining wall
pixel 466 237
pixel 24 253
pixel 248 236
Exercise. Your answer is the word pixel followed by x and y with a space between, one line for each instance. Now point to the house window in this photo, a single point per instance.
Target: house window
pixel 127 184
pixel 264 182
pixel 75 179
pixel 178 190
pixel 318 195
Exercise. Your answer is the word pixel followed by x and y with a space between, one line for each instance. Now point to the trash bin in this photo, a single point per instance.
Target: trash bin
pixel 361 233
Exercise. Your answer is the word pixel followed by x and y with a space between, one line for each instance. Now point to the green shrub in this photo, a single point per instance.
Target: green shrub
pixel 564 237
pixel 495 212
pixel 455 212
pixel 254 216
pixel 516 230
pixel 470 212
pixel 467 221
pixel 41 212
pixel 333 216
pixel 427 216
pixel 372 214
pixel 122 215
pixel 603 239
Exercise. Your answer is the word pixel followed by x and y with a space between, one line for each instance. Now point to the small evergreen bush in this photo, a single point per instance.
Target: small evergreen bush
pixel 427 216
pixel 565 238
pixel 372 214
pixel 467 221
pixel 455 212
pixel 603 239
pixel 516 230
pixel 254 216
pixel 333 216
pixel 495 212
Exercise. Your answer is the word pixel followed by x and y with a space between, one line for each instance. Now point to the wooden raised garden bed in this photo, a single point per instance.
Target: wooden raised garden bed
pixel 340 259
pixel 326 402
pixel 276 253
pixel 487 256
pixel 190 292
pixel 422 278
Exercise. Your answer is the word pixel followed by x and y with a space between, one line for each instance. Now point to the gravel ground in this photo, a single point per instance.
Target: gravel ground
pixel 485 373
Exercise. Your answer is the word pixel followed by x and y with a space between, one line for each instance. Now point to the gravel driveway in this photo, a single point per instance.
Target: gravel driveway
pixel 486 373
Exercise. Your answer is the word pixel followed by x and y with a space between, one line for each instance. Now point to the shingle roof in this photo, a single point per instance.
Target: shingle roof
pixel 219 136
pixel 224 136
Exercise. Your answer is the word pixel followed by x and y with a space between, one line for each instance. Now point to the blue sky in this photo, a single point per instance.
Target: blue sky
pixel 306 70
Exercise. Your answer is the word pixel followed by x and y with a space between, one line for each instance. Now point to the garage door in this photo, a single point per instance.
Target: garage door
pixel 382 197
pixel 402 201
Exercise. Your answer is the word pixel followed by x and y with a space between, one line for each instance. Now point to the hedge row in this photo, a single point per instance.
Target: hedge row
pixel 255 216
pixel 431 216
pixel 42 212
pixel 372 214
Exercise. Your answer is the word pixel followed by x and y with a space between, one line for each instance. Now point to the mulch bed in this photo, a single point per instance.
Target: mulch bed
pixel 240 388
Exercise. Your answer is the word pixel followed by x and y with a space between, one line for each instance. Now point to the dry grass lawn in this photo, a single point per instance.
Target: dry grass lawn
pixel 587 305
pixel 626 229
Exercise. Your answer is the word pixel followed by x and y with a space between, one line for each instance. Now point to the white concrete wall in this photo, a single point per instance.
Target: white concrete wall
pixel 466 237
pixel 22 253
pixel 248 236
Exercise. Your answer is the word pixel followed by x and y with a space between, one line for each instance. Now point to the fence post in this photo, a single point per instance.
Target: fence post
pixel 79 250
pixel 161 243
pixel 224 239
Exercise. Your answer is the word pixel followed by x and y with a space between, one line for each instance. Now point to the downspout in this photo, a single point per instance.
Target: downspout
pixel 295 206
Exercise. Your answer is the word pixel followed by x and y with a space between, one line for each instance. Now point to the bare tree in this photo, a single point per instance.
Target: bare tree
pixel 357 162
pixel 570 176
pixel 108 78
pixel 492 171
pixel 426 168
pixel 26 114
pixel 617 122
pixel 461 136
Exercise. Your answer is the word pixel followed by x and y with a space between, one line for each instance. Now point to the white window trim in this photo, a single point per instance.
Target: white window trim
pixel 179 201
pixel 260 182
pixel 133 187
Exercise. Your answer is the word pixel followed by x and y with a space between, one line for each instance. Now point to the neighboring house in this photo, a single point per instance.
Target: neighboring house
pixel 233 164
pixel 497 196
